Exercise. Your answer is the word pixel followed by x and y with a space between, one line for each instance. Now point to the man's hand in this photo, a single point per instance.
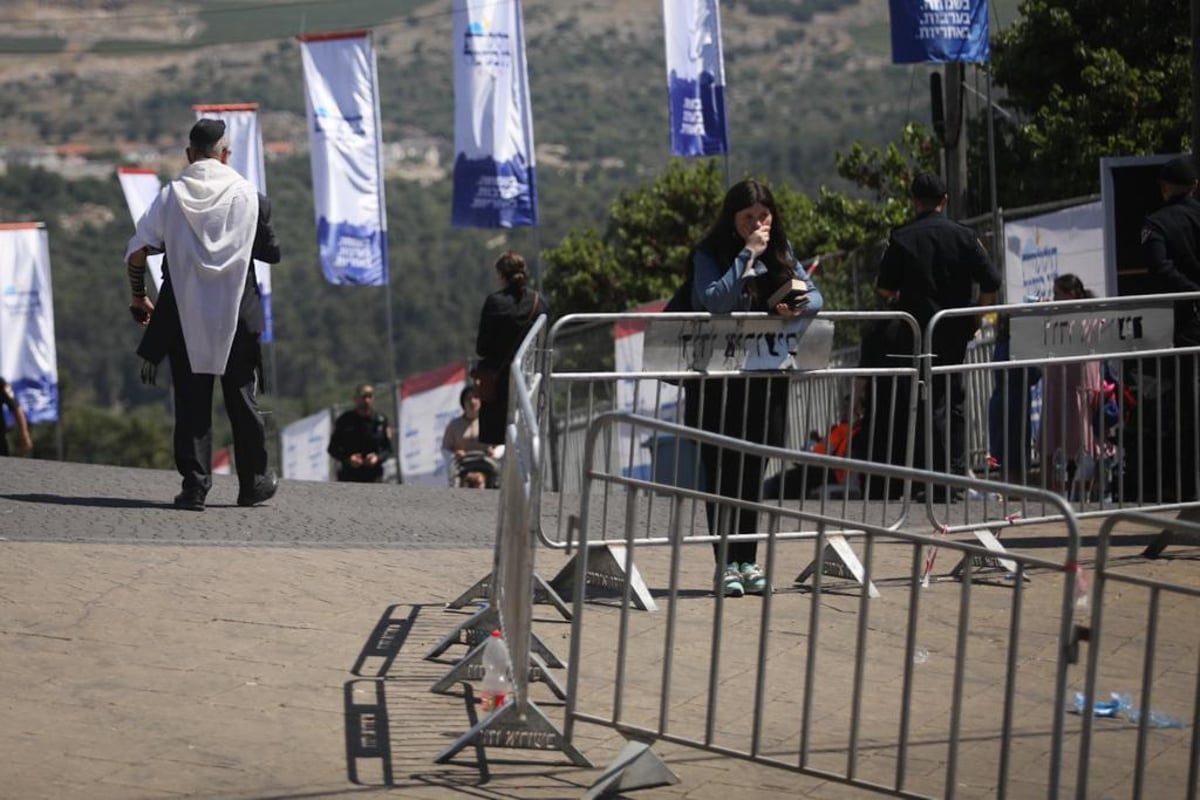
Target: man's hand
pixel 24 445
pixel 141 308
pixel 355 460
pixel 371 459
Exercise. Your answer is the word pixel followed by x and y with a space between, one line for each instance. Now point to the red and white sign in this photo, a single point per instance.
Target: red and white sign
pixel 428 402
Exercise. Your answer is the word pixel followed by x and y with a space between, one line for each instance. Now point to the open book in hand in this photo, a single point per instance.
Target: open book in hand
pixel 793 292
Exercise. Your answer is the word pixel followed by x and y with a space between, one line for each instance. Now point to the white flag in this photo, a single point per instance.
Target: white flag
pixel 304 443
pixel 140 187
pixel 28 359
pixel 695 77
pixel 246 156
pixel 495 181
pixel 344 139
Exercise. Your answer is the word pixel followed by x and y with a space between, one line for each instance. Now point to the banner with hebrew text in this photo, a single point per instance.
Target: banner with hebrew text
pixel 695 77
pixel 495 176
pixel 342 103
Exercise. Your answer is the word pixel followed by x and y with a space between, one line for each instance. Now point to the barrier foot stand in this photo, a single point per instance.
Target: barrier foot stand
pixel 992 562
pixel 509 727
pixel 1167 538
pixel 479 626
pixel 606 570
pixel 839 561
pixel 635 767
pixel 542 593
pixel 470 668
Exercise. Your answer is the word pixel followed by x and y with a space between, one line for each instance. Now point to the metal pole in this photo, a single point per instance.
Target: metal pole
pixel 997 222
pixel 956 152
pixel 387 285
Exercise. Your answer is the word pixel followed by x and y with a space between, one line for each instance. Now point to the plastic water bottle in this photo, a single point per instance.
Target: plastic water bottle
pixel 497 673
pixel 1115 706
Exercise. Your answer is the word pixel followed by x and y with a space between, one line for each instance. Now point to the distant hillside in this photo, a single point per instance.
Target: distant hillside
pixel 805 79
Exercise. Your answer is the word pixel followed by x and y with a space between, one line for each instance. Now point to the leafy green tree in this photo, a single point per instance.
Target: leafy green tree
pixel 642 254
pixel 139 438
pixel 1088 79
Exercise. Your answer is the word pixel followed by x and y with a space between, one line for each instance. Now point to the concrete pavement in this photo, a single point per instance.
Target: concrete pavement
pixel 152 653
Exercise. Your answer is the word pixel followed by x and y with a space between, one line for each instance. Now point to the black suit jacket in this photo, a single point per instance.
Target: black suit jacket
pixel 164 330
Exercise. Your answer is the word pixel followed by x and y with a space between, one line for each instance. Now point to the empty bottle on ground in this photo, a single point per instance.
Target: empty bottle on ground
pixel 497 673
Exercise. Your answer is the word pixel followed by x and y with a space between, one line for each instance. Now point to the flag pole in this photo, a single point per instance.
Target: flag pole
pixel 387 286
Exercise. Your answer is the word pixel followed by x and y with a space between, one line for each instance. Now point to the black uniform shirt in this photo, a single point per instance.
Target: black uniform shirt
pixel 1171 251
pixel 354 433
pixel 932 262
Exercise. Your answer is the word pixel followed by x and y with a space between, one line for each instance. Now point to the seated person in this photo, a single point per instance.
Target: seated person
pixel 461 439
pixel 361 440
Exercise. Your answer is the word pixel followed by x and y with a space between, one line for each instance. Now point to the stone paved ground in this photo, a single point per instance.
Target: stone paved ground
pixel 153 653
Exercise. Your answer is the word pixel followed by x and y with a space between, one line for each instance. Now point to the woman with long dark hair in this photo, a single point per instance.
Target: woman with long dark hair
pixel 742 259
pixel 506 317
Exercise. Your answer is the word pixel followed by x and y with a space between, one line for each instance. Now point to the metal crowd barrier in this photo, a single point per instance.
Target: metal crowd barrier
pixel 1168 667
pixel 823 680
pixel 581 384
pixel 519 723
pixel 1093 403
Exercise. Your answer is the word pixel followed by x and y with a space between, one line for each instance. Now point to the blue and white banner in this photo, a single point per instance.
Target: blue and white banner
pixel 1039 249
pixel 304 442
pixel 940 31
pixel 246 156
pixel 695 77
pixel 140 187
pixel 342 102
pixel 495 181
pixel 428 403
pixel 28 358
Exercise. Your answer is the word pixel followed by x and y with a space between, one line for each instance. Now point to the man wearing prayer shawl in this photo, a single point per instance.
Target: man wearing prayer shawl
pixel 211 223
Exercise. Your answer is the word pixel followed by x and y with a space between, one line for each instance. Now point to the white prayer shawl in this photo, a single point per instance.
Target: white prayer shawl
pixel 206 220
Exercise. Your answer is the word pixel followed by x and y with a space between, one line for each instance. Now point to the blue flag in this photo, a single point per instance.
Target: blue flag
pixel 695 77
pixel 940 31
pixel 495 179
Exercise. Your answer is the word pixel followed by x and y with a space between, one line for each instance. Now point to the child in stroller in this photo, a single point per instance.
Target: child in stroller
pixel 474 470
pixel 473 464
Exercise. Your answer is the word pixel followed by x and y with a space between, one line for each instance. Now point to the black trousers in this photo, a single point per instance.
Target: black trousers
pixel 948 399
pixel 751 409
pixel 193 414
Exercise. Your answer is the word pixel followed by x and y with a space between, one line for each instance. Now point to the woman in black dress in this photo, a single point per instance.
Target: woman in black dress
pixel 506 317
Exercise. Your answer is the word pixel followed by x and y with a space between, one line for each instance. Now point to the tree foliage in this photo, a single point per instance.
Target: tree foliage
pixel 641 255
pixel 1089 79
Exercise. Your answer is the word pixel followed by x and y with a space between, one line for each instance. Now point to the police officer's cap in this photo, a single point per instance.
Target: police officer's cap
pixel 928 186
pixel 1178 171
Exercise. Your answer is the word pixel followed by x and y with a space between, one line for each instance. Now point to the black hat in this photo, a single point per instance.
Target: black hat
pixel 1178 171
pixel 928 186
pixel 205 134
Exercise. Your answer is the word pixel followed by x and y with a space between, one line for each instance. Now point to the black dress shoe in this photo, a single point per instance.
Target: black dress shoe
pixel 263 490
pixel 190 499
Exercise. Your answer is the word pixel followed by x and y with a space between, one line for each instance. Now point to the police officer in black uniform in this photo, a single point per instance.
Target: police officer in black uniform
pixel 931 264
pixel 361 440
pixel 1171 252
